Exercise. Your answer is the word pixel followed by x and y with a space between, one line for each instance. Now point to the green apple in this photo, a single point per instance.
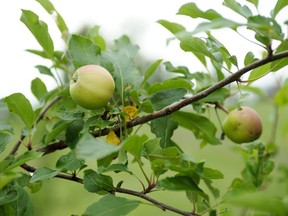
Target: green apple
pixel 242 125
pixel 92 87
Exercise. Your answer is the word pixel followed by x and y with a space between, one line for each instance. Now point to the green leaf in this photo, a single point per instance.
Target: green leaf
pixel 170 159
pixel 111 205
pixel 212 173
pixel 83 51
pixel 179 183
pixel 176 29
pixel 23 205
pixel 163 154
pixel 201 126
pixel 182 183
pixel 27 156
pixel 238 8
pixel 268 167
pixel 186 166
pixel 216 24
pixel 5 138
pixel 151 146
pixel 43 173
pixel 134 145
pixel 254 2
pixel 107 160
pixel 164 128
pixel 8 196
pixel 40 31
pixel 277 65
pixel 167 84
pixel 146 106
pixel 48 6
pixel 196 46
pixel 215 191
pixel 97 183
pixel 217 96
pixel 5 163
pixel 95 36
pixel 57 129
pixel 220 55
pixel 255 200
pixel 278 7
pixel 60 58
pixel 22 180
pixel 253 146
pixel 67 115
pixel 164 98
pixel 265 28
pixel 257 165
pixel 115 168
pixel 165 159
pixel 233 60
pixel 44 70
pixel 90 148
pixel 38 88
pixel 20 105
pixel 191 10
pixel 150 70
pixel 124 45
pixel 203 80
pixel 180 69
pixel 5 178
pixel 259 72
pixel 6 210
pixel 73 131
pixel 39 53
pixel 126 71
pixel 69 162
pixel 249 58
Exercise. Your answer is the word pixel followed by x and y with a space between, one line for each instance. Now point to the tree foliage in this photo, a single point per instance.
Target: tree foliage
pixel 112 136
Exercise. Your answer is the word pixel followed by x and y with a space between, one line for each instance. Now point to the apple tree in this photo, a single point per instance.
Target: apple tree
pixel 130 135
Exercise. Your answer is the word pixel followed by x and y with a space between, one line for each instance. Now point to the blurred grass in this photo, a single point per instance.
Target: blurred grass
pixel 61 197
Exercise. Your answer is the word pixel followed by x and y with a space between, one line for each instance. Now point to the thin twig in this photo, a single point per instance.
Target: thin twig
pixel 65 176
pixel 219 106
pixel 161 205
pixel 177 106
pixel 53 147
pixel 16 146
pixel 42 113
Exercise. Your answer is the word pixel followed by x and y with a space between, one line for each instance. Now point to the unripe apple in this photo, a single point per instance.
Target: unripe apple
pixel 242 125
pixel 92 87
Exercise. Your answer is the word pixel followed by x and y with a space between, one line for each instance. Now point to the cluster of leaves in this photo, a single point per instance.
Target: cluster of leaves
pixel 108 136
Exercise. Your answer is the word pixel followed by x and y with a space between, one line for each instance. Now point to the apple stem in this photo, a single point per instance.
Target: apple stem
pixel 239 108
pixel 218 118
pixel 219 106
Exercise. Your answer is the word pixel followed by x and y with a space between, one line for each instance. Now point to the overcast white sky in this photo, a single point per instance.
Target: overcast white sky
pixel 115 18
